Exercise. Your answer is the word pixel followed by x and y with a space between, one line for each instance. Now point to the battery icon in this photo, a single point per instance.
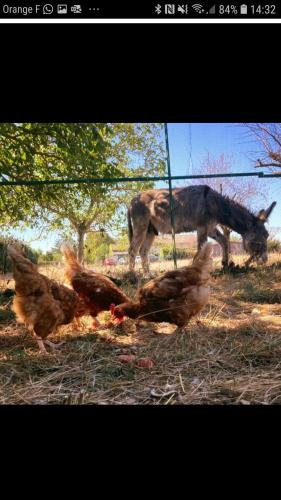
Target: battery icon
pixel 243 9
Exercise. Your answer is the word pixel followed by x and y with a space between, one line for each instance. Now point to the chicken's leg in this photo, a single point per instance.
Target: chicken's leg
pixel 54 346
pixel 41 345
pixel 39 340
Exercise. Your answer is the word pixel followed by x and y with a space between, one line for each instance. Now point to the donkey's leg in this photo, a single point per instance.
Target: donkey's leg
pixel 144 249
pixel 222 240
pixel 202 236
pixel 137 240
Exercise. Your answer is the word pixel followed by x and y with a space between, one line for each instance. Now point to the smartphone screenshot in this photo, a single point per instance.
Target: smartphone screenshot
pixel 140 204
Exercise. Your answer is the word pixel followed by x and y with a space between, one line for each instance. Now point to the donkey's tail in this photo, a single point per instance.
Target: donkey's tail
pixel 130 227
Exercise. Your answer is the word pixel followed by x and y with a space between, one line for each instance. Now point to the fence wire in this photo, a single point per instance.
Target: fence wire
pixel 93 180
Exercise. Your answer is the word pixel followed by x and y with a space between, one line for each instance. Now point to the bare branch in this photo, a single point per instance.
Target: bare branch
pixel 273 136
pixel 261 164
pixel 269 138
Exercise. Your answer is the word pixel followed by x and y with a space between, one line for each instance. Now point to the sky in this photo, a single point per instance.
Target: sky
pixel 189 144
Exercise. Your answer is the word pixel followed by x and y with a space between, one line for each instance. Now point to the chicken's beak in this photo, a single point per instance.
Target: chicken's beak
pixel 120 320
pixel 112 309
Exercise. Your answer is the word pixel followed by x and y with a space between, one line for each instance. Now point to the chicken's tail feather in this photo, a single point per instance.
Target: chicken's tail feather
pixel 15 255
pixel 14 251
pixel 203 258
pixel 70 256
pixel 19 260
pixel 205 252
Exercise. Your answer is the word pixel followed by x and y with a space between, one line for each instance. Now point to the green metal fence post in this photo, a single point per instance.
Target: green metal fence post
pixel 172 213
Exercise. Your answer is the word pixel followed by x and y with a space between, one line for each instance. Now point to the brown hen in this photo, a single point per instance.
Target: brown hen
pixel 97 291
pixel 176 296
pixel 40 302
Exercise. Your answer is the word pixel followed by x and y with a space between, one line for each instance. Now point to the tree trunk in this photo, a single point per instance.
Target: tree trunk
pixel 80 253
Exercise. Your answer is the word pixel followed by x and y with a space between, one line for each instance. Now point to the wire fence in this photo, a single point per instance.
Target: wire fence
pixel 93 180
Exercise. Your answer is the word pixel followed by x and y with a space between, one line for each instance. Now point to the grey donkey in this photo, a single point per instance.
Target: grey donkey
pixel 196 208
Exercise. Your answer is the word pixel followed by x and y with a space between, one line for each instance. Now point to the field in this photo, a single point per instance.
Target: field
pixel 231 356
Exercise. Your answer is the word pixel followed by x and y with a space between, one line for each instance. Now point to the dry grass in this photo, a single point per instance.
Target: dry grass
pixel 232 357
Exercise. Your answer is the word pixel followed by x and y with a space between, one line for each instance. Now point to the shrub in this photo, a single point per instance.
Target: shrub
pixel 274 245
pixel 5 262
pixel 98 246
pixel 166 252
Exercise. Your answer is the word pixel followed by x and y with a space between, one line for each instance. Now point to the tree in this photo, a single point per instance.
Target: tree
pixel 246 191
pixel 5 261
pixel 268 135
pixel 122 243
pixel 54 151
pixel 33 151
pixel 98 246
pixel 72 151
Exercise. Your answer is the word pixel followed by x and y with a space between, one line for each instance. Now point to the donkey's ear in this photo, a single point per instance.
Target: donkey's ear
pixel 264 214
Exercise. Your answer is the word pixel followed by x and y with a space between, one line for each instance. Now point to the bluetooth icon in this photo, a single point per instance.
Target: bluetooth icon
pixel 158 9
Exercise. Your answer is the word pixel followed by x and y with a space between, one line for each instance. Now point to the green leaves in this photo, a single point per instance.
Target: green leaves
pixel 98 245
pixel 42 151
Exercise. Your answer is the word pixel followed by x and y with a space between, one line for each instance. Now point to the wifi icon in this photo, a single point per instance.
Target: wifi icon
pixel 198 8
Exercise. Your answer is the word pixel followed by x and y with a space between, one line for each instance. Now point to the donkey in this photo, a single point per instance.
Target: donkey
pixel 199 208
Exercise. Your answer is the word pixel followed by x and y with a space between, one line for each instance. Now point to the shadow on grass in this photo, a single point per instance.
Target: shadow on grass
pixel 256 292
pixel 6 316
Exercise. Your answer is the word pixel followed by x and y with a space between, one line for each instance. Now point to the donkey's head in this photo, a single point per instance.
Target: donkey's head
pixel 255 240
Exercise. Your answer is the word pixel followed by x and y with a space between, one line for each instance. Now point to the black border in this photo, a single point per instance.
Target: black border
pixel 140 72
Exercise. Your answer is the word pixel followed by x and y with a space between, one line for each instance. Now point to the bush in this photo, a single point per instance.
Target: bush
pixel 274 245
pixel 166 252
pixel 5 262
pixel 121 245
pixel 98 246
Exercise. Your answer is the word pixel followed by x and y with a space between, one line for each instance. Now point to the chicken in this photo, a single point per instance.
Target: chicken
pixel 176 296
pixel 40 302
pixel 97 291
pixel 117 281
